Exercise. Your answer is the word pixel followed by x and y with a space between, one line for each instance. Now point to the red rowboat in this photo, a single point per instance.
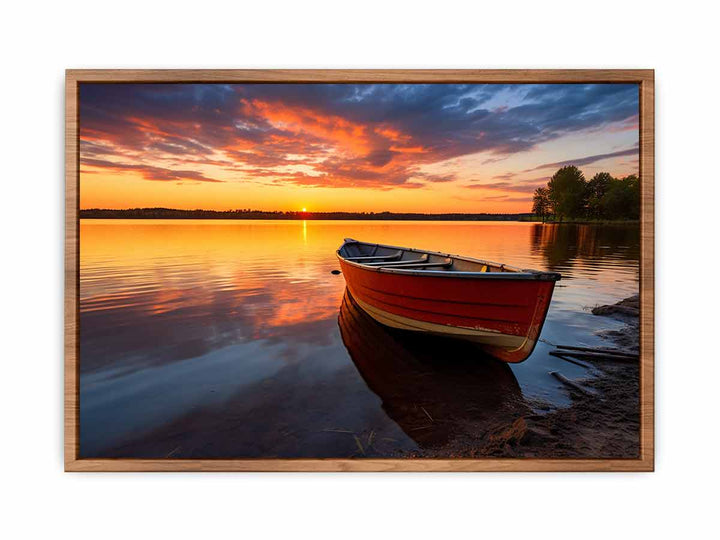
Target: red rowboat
pixel 499 307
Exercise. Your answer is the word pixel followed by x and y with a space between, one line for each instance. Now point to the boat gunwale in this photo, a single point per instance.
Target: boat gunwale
pixel 515 273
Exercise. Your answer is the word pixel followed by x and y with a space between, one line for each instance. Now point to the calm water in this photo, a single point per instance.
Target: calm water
pixel 232 338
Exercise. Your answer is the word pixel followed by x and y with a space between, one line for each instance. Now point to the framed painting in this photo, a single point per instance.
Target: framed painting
pixel 359 270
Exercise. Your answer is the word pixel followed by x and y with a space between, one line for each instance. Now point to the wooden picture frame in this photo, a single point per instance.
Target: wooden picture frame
pixel 645 80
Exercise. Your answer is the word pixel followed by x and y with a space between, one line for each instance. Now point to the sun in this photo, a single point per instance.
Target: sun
pixel 304 209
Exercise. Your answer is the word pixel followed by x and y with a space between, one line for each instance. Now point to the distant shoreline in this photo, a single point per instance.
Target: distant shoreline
pixel 169 213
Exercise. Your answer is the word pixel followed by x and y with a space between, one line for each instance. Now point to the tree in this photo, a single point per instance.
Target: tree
pixel 541 203
pixel 622 199
pixel 567 191
pixel 632 183
pixel 596 189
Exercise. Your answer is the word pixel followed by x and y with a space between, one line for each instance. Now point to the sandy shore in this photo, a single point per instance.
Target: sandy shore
pixel 601 422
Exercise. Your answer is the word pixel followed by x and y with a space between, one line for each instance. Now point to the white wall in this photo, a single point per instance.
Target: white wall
pixel 39 42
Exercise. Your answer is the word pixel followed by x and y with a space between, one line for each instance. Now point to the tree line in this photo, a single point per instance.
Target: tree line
pixel 569 196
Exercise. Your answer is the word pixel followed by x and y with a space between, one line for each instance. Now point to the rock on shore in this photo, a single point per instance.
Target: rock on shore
pixel 628 311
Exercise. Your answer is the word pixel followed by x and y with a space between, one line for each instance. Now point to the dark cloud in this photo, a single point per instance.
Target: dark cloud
pixel 519 186
pixel 495 198
pixel 437 177
pixel 365 135
pixel 507 198
pixel 488 161
pixel 505 176
pixel 579 162
pixel 149 172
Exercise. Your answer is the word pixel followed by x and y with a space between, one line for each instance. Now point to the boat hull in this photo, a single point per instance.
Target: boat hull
pixel 504 316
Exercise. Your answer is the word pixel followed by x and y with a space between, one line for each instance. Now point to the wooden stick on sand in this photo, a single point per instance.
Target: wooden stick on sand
pixel 572 384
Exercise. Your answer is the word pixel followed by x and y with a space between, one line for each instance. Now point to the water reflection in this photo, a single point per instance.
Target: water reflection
pixel 432 387
pixel 221 338
pixel 157 293
pixel 561 244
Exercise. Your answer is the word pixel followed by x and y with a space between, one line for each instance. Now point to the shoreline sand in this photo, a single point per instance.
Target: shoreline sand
pixel 603 420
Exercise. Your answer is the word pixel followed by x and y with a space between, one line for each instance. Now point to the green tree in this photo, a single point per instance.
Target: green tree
pixel 622 199
pixel 567 191
pixel 597 187
pixel 541 203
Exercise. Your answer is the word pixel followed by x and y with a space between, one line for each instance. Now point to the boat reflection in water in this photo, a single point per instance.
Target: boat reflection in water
pixel 434 388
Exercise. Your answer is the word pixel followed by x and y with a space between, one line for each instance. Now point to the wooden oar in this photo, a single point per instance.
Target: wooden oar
pixel 576 362
pixel 422 259
pixel 572 384
pixel 616 352
pixel 595 356
pixel 395 255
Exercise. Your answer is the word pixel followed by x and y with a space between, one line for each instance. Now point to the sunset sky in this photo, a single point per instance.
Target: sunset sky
pixel 347 147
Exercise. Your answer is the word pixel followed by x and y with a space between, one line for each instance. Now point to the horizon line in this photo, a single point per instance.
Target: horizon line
pixel 308 212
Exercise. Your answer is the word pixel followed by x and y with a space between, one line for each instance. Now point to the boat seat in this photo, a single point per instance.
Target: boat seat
pixel 444 264
pixel 422 259
pixel 419 263
pixel 392 257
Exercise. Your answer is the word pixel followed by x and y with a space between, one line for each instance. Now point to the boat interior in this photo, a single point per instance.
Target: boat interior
pixel 382 256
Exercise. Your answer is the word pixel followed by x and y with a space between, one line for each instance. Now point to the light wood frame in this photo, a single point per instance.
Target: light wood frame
pixel 643 77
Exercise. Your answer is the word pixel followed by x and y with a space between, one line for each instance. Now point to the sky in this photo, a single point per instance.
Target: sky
pixel 428 148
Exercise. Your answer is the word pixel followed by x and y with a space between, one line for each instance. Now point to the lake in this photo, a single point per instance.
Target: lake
pixel 213 338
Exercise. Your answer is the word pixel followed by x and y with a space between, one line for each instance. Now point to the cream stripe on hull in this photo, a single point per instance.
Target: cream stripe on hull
pixel 477 335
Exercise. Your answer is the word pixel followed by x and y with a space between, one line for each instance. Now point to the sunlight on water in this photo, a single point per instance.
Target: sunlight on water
pixel 221 338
